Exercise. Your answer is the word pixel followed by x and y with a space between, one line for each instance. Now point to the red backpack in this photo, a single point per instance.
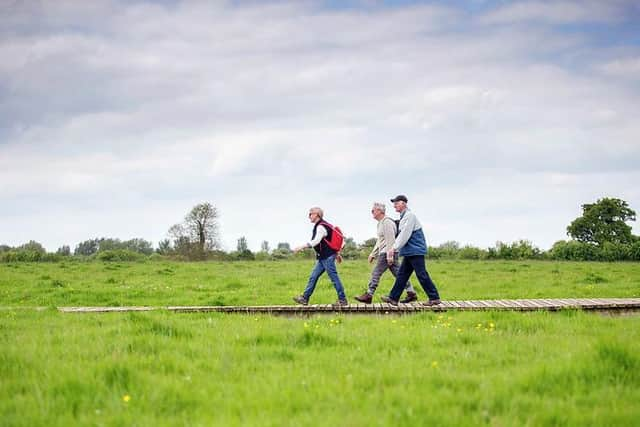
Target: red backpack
pixel 337 238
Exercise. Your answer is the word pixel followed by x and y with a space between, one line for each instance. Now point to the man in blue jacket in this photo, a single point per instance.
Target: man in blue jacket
pixel 412 246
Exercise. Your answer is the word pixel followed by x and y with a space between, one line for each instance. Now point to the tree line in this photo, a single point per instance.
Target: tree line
pixel 601 233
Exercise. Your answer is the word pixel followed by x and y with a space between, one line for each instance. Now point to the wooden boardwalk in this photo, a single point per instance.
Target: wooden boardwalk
pixel 592 304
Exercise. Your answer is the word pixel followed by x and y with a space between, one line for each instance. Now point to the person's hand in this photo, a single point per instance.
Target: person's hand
pixel 339 258
pixel 371 258
pixel 300 248
pixel 390 256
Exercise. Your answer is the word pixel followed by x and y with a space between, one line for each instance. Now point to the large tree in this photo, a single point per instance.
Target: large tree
pixel 603 221
pixel 198 232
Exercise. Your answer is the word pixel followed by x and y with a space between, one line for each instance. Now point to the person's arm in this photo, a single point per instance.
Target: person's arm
pixel 389 232
pixel 375 251
pixel 407 224
pixel 321 233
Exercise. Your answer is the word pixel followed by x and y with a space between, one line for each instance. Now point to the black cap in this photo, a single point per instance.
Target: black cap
pixel 400 197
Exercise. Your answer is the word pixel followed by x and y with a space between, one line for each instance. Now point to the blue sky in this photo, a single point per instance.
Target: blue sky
pixel 498 119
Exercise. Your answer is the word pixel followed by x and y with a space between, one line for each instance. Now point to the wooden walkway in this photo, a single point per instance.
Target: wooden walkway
pixel 595 304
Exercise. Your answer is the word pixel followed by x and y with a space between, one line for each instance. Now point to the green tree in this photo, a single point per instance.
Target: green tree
pixel 350 249
pixel 64 250
pixel 202 224
pixel 87 248
pixel 32 246
pixel 603 221
pixel 242 244
pixel 197 235
pixel 243 251
pixel 164 247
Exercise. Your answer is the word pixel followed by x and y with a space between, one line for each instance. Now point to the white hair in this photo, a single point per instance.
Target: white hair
pixel 317 210
pixel 380 206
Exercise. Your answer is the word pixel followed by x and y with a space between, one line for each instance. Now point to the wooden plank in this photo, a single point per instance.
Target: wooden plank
pixel 458 305
pixel 500 305
pixel 517 305
pixel 486 304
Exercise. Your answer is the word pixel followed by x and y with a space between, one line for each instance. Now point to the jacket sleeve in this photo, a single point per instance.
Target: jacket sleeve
pixel 407 224
pixel 321 233
pixel 389 230
pixel 376 249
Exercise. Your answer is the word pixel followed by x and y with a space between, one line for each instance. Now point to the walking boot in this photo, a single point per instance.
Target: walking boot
pixel 365 298
pixel 411 296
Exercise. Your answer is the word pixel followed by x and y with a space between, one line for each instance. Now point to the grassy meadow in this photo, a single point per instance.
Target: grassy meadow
pixel 159 368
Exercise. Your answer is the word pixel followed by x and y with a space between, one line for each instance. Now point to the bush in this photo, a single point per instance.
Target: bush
pixel 574 251
pixel 119 255
pixel 634 251
pixel 615 252
pixel 471 252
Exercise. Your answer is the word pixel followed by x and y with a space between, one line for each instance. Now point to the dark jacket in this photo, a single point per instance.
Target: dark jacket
pixel 323 251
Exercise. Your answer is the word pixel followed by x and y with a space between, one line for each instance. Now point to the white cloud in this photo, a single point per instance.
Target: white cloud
pixel 119 117
pixel 626 68
pixel 556 12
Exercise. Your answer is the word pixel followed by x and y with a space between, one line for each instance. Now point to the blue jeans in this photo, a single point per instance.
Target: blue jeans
pixel 409 265
pixel 328 265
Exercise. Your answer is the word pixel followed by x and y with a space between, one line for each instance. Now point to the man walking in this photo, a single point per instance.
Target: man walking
pixel 412 245
pixel 325 256
pixel 386 233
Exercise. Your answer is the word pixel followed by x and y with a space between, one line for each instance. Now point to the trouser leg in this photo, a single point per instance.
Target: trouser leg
pixel 317 271
pixel 423 277
pixel 330 267
pixel 405 270
pixel 376 274
pixel 394 270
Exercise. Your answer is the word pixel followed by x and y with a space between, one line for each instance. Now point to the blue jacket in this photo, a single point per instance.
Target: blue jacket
pixel 410 240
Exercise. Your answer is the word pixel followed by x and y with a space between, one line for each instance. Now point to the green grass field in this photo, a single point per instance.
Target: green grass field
pixel 459 368
pixel 259 283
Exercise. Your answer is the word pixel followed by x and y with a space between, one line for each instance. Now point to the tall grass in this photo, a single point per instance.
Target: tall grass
pixel 252 283
pixel 161 368
pixel 494 368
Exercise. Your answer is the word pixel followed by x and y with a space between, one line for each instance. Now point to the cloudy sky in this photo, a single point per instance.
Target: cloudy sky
pixel 497 119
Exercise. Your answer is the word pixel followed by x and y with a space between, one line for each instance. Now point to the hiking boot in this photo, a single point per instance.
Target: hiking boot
pixel 389 300
pixel 340 303
pixel 432 302
pixel 411 297
pixel 300 299
pixel 365 298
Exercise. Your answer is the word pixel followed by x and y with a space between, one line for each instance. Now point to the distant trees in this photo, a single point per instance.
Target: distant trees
pixel 93 246
pixel 603 221
pixel 350 249
pixel 242 250
pixel 64 250
pixel 601 233
pixel 198 233
pixel 87 248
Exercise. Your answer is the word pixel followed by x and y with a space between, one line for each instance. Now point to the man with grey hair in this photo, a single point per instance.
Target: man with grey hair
pixel 412 245
pixel 386 234
pixel 326 258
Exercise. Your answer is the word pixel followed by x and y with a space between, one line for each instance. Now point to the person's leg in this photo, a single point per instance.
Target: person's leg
pixel 423 277
pixel 402 278
pixel 394 270
pixel 330 267
pixel 317 271
pixel 376 274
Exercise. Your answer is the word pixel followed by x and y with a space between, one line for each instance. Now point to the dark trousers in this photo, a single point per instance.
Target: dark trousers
pixel 409 265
